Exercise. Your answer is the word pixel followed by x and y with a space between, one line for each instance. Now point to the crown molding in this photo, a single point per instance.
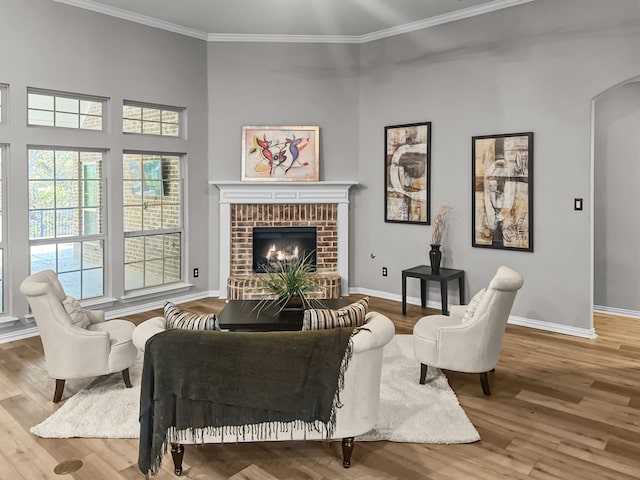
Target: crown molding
pixel 441 19
pixel 136 17
pixel 270 38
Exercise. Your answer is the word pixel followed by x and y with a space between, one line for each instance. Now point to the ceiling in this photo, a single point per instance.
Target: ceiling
pixel 348 21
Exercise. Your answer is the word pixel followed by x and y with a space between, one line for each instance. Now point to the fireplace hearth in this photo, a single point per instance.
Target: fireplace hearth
pixel 273 246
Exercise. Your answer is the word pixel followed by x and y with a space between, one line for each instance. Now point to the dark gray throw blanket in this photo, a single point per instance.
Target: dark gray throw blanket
pixel 227 382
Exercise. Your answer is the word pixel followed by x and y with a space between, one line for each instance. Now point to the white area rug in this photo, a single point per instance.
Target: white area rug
pixel 409 412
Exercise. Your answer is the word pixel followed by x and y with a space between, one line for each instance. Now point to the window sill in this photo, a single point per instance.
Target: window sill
pixel 154 291
pixel 8 321
pixel 99 302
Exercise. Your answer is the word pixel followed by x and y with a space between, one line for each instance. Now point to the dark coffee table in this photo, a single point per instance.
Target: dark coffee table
pixel 242 315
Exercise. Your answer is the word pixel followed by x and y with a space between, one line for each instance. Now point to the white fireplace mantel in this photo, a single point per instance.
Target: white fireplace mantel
pixel 236 192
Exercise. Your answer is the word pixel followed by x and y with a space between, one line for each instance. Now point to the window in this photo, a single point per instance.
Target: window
pixel 152 200
pixel 3 103
pixel 151 119
pixel 66 212
pixel 3 149
pixel 64 110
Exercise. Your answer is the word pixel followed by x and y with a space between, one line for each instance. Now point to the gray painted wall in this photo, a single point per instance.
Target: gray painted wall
pixel 281 84
pixel 617 197
pixel 53 46
pixel 535 67
pixel 284 84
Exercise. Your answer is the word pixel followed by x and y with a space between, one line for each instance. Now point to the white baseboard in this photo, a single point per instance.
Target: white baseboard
pixel 377 293
pixel 12 336
pixel 124 311
pixel 553 327
pixel 514 320
pixel 616 311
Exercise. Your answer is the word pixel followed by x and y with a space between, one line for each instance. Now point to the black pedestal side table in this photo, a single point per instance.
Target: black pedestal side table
pixel 424 273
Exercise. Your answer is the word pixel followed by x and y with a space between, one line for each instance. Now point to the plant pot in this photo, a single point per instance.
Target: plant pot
pixel 435 257
pixel 294 304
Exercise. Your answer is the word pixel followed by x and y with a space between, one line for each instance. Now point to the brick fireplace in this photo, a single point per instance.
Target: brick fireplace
pixel 245 205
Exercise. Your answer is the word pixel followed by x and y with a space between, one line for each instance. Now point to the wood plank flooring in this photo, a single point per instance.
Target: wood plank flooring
pixel 562 408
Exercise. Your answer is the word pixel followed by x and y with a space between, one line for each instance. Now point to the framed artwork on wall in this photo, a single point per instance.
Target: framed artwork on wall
pixel 407 150
pixel 502 191
pixel 280 154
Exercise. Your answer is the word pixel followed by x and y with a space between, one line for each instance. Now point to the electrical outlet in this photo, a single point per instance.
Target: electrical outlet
pixel 196 272
pixel 384 271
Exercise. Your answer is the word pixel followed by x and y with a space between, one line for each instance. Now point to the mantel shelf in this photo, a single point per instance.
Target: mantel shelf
pixel 336 191
pixel 267 185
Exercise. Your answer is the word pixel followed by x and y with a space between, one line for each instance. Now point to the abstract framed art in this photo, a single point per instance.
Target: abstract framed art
pixel 407 173
pixel 502 191
pixel 280 154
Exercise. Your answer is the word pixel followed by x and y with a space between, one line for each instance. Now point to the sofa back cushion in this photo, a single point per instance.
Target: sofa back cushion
pixel 179 318
pixel 352 315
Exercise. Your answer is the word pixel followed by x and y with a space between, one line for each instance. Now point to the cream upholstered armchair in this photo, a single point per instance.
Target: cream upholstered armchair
pixel 471 338
pixel 77 343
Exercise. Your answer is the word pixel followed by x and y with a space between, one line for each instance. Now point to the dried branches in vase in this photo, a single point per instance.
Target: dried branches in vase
pixel 439 222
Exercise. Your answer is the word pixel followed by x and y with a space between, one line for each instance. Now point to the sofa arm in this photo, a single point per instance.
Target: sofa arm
pixel 376 332
pixel 146 330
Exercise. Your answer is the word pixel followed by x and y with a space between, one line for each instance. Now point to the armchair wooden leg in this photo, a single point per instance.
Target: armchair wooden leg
pixel 57 396
pixel 423 373
pixel 347 450
pixel 484 381
pixel 177 453
pixel 126 378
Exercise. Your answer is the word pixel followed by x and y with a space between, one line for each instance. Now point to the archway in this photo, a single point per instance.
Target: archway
pixel 615 229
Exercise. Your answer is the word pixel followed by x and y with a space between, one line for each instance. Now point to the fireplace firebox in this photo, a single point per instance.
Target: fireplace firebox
pixel 274 245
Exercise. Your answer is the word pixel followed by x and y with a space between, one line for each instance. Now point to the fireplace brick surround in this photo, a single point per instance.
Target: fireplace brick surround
pixel 323 216
pixel 242 283
pixel 245 205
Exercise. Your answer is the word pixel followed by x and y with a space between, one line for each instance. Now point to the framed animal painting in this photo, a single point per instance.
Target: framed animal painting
pixel 281 154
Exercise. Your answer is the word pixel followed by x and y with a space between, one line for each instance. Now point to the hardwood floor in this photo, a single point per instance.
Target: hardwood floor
pixel 562 408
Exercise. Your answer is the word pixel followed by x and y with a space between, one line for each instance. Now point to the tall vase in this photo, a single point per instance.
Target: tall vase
pixel 435 257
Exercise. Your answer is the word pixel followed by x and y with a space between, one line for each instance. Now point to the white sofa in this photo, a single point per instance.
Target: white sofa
pixel 360 397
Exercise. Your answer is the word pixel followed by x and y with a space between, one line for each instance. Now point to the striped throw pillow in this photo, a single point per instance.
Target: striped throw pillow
pixel 178 318
pixel 352 315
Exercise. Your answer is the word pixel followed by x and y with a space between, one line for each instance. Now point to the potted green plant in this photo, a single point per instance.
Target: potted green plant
pixel 290 284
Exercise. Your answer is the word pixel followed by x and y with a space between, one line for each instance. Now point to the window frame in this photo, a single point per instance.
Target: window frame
pixel 58 95
pixel 4 106
pixel 162 231
pixel 84 239
pixel 180 111
pixel 4 149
